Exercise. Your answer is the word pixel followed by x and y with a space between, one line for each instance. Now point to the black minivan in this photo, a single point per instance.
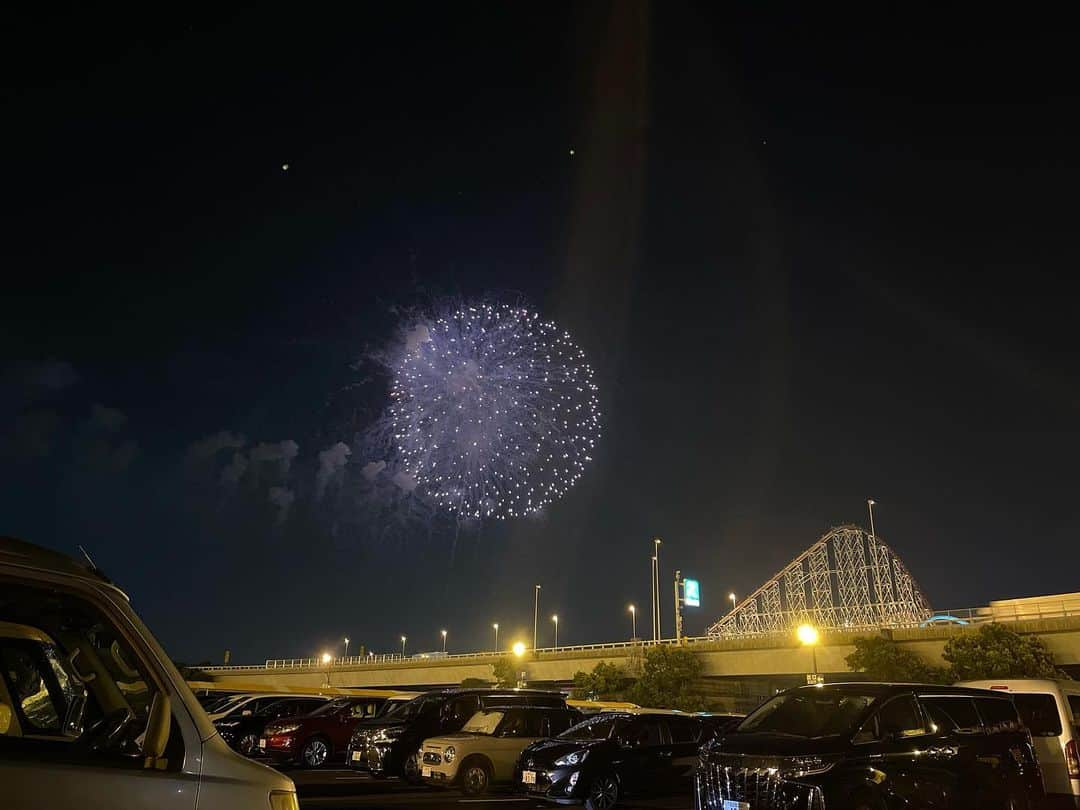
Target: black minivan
pixel 873 746
pixel 387 745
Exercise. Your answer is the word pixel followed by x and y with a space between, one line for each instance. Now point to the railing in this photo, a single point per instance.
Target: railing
pixel 997 612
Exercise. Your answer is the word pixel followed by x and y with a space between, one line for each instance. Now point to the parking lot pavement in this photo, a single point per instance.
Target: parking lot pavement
pixel 329 789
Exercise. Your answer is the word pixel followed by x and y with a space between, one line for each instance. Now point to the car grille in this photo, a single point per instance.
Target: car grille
pixel 431 758
pixel 754 783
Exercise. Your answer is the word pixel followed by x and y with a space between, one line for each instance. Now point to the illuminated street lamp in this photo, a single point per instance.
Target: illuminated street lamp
pixel 555 619
pixel 346 646
pixel 731 596
pixel 444 642
pixel 519 648
pixel 633 623
pixel 496 628
pixel 808 637
pixel 403 646
pixel 870 505
pixel 536 612
pixel 327 658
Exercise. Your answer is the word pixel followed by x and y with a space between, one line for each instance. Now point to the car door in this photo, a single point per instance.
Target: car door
pixel 643 761
pixel 65 684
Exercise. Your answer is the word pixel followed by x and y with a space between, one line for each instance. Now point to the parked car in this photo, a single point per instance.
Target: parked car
pixel 93 712
pixel 610 755
pixel 319 737
pixel 1051 712
pixel 390 745
pixel 243 732
pixel 246 705
pixel 873 745
pixel 485 750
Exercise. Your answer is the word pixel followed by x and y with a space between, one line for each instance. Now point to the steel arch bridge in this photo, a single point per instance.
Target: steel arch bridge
pixel 848 580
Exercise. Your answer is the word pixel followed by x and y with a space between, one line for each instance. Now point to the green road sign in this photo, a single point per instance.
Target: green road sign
pixel 691 593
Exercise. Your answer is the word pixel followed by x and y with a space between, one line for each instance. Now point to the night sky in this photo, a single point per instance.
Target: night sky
pixel 812 260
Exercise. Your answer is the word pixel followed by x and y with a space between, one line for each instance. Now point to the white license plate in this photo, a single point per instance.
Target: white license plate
pixel 262 743
pixel 425 771
pixel 356 756
pixel 733 805
pixel 529 778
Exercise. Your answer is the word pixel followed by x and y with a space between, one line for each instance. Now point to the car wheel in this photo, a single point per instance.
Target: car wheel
pixel 603 793
pixel 315 753
pixel 410 770
pixel 248 743
pixel 475 778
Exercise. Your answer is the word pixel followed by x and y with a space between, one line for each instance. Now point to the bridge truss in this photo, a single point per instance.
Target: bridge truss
pixel 847 580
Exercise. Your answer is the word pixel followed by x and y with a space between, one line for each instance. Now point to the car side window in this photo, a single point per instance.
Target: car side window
pixel 1039 713
pixel 897 719
pixel 952 713
pixel 645 733
pixel 360 710
pixel 684 730
pixel 462 708
pixel 557 722
pixel 998 714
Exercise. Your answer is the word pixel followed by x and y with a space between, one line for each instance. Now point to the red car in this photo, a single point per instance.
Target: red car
pixel 314 739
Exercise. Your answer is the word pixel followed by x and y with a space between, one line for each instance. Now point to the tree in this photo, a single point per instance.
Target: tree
pixel 605 682
pixel 474 683
pixel 505 672
pixel 995 651
pixel 669 680
pixel 882 659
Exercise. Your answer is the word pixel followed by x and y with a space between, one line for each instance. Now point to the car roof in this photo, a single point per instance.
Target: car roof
pixel 883 689
pixel 482 690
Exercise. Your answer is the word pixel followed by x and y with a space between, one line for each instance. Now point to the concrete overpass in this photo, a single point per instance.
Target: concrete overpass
pixel 751 667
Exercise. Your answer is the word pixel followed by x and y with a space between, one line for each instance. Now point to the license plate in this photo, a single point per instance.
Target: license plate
pixel 733 805
pixel 425 771
pixel 356 756
pixel 529 778
pixel 262 743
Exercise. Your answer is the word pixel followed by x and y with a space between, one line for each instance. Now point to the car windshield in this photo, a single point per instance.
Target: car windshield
pixel 809 713
pixel 227 703
pixel 331 706
pixel 410 709
pixel 600 727
pixel 483 723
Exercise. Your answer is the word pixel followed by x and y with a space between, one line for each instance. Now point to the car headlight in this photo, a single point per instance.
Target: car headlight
pixel 390 733
pixel 288 728
pixel 573 758
pixel 805 766
pixel 283 800
pixel 449 754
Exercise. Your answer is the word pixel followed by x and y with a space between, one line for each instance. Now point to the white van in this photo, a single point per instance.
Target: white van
pixel 93 714
pixel 1051 711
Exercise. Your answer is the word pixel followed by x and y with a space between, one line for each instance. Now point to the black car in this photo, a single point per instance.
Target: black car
pixel 242 732
pixel 388 745
pixel 609 755
pixel 870 746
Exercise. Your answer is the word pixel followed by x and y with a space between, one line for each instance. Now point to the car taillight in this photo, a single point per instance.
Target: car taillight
pixel 1072 759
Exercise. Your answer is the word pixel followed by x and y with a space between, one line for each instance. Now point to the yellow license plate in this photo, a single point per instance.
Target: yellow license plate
pixel 425 771
pixel 262 743
pixel 355 756
pixel 528 777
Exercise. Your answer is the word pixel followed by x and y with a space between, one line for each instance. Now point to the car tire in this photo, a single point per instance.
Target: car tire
pixel 410 770
pixel 475 777
pixel 248 744
pixel 603 793
pixel 315 752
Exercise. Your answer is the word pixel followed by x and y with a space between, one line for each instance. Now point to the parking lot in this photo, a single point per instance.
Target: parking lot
pixel 332 788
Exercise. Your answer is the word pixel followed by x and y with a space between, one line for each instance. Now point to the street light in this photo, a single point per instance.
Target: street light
pixel 870 505
pixel 555 619
pixel 536 612
pixel 444 642
pixel 403 646
pixel 633 623
pixel 327 658
pixel 657 542
pixel 808 637
pixel 731 596
pixel 496 627
pixel 346 646
pixel 518 648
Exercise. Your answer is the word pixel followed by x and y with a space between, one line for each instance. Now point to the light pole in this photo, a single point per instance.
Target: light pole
pixel 346 646
pixel 808 637
pixel 656 587
pixel 731 596
pixel 870 505
pixel 536 612
pixel 403 646
pixel 496 628
pixel 444 642
pixel 328 660
pixel 555 620
pixel 633 623
pixel 652 593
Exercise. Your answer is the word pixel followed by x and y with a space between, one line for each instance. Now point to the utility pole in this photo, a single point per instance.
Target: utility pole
pixel 652 593
pixel 656 577
pixel 870 505
pixel 536 612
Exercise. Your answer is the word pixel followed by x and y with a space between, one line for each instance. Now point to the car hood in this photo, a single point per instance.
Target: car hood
pixel 781 745
pixel 547 751
pixel 458 739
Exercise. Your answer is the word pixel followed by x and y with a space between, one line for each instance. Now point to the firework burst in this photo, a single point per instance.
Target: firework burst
pixel 494 411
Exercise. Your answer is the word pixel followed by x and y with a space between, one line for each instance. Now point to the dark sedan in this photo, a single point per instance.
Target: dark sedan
pixel 243 732
pixel 598 761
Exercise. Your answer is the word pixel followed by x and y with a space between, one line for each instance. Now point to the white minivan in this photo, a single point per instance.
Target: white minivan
pixel 93 714
pixel 1051 711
